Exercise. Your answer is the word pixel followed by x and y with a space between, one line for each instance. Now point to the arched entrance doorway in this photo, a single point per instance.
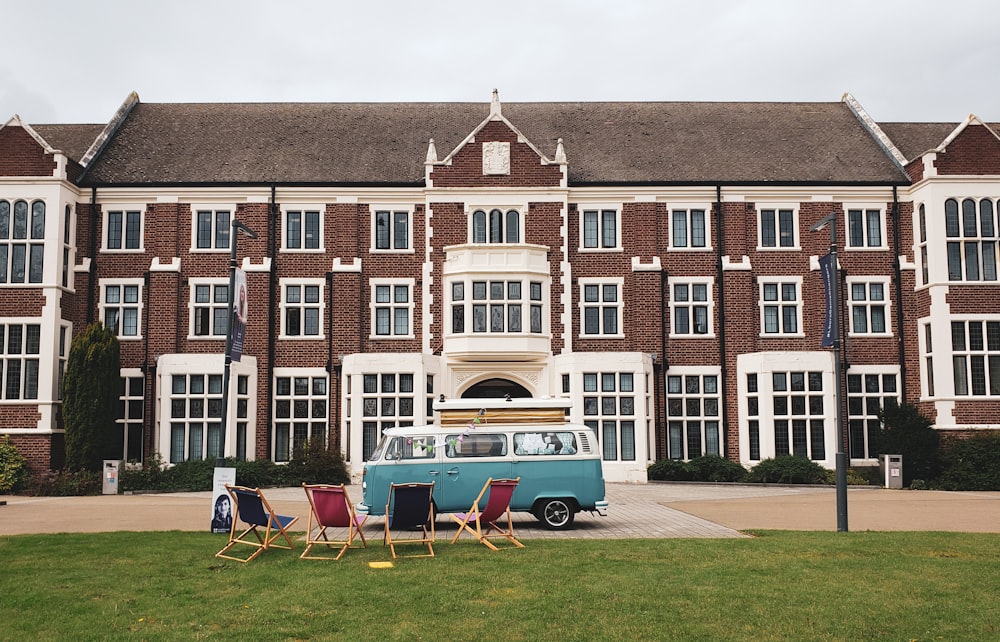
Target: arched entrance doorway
pixel 496 388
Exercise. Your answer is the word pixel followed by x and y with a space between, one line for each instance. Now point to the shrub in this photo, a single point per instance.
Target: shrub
pixel 314 463
pixel 708 468
pixel 971 464
pixel 787 469
pixel 66 483
pixel 13 466
pixel 905 431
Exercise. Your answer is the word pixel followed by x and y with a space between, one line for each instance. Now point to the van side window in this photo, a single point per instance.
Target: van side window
pixel 476 445
pixel 544 443
pixel 410 448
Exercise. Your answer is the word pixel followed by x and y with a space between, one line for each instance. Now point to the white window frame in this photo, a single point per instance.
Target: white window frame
pixel 968 353
pixel 31 246
pixel 301 305
pixel 392 305
pixel 106 211
pixel 302 209
pixel 600 209
pixel 677 400
pixel 608 390
pixel 865 416
pixel 127 398
pixel 215 209
pixel 601 304
pixel 781 304
pixel 27 359
pixel 311 397
pixel 104 306
pixel 867 302
pixel 687 208
pixel 392 210
pixel 866 240
pixel 690 304
pixel 778 247
pixel 192 304
pixel 979 241
pixel 376 401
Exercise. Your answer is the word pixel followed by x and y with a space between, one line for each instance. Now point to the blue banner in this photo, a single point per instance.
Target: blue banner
pixel 826 268
pixel 239 314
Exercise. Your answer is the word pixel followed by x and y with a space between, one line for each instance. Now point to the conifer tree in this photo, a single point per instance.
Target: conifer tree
pixel 90 398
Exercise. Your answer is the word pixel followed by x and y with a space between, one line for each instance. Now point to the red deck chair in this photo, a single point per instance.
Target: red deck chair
pixel 253 510
pixel 331 509
pixel 410 508
pixel 497 507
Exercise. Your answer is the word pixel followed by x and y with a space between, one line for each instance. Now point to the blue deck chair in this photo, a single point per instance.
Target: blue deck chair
pixel 262 523
pixel 410 508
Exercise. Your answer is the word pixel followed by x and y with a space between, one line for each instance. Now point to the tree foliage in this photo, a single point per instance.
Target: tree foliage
pixel 90 398
pixel 905 431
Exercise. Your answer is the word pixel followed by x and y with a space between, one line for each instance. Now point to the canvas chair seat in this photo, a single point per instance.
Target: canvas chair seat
pixel 331 511
pixel 263 526
pixel 480 520
pixel 410 509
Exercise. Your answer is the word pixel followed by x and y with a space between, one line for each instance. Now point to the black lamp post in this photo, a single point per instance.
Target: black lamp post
pixel 237 227
pixel 841 461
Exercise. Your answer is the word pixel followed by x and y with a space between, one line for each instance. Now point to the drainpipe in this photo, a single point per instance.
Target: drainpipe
pixel 721 283
pixel 272 294
pixel 899 290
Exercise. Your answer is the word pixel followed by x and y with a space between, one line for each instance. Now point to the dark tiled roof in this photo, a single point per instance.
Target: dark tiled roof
pixel 913 139
pixel 73 140
pixel 386 143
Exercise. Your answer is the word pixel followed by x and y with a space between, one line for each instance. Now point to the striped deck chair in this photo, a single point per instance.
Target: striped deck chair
pixel 331 511
pixel 497 506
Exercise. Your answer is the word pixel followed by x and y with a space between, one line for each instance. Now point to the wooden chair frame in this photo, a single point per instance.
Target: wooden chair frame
pixel 323 516
pixel 254 510
pixel 399 515
pixel 497 507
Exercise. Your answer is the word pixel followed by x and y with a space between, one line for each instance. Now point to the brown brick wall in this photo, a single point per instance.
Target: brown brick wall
pixel 466 169
pixel 974 152
pixel 20 155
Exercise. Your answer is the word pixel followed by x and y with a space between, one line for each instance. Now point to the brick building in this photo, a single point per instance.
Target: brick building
pixel 652 262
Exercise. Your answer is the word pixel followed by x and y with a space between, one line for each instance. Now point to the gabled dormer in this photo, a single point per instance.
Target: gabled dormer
pixel 496 154
pixel 24 153
pixel 971 149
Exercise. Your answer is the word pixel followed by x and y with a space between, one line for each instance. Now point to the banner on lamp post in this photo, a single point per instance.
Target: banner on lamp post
pixel 826 269
pixel 239 313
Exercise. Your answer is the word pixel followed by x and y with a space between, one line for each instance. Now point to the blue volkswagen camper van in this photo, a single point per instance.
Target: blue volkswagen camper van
pixel 559 463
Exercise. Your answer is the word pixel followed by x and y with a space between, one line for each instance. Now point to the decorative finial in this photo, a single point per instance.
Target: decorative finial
pixel 560 152
pixel 495 105
pixel 432 154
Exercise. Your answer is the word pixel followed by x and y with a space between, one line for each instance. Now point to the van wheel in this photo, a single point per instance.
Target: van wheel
pixel 556 514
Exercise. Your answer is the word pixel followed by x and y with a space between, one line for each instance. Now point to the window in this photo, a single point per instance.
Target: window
pixel 302 308
pixel 609 409
pixel 123 230
pixel 869 306
pixel 64 333
pixel 600 229
pixel 545 443
pixel 781 308
pixel 867 394
pixel 392 309
pixel 798 414
pixel 21 260
pixel 928 359
pixel 693 415
pixel 300 413
pixel 777 228
pixel 497 306
pixel 209 309
pixel 20 345
pixel 211 229
pixel 303 229
pixel 688 229
pixel 470 445
pixel 864 228
pixel 974 256
pixel 496 226
pixel 121 306
pixel 922 225
pixel 601 308
pixel 392 230
pixel 67 245
pixel 975 349
pixel 690 305
pixel 131 412
pixel 195 417
pixel 387 401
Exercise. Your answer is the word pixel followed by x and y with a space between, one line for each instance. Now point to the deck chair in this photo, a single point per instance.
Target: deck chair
pixel 263 524
pixel 481 521
pixel 330 509
pixel 410 508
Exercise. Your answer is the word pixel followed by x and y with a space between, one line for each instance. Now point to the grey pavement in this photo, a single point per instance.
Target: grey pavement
pixel 656 510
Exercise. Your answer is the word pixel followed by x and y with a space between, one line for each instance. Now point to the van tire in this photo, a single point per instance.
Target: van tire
pixel 556 514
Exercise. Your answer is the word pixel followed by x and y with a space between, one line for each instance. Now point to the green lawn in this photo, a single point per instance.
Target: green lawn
pixel 775 586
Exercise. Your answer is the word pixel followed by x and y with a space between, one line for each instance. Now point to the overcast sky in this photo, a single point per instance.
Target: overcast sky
pixel 912 60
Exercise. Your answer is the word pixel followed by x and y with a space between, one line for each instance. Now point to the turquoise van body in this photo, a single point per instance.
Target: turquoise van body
pixel 559 466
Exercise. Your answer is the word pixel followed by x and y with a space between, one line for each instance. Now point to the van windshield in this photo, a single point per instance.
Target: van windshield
pixel 545 443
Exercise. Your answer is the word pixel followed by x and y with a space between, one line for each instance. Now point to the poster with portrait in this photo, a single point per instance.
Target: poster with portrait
pixel 239 314
pixel 222 503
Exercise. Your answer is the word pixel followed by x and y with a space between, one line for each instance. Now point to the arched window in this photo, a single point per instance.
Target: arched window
pixel 496 227
pixel 479 226
pixel 38 220
pixel 513 227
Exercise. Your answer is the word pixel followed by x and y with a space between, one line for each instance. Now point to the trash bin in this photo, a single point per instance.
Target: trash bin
pixel 892 470
pixel 110 477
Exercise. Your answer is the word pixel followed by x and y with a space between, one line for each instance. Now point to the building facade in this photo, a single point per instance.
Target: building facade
pixel 652 262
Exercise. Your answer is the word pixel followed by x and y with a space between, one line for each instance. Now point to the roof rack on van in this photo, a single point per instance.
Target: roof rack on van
pixel 460 412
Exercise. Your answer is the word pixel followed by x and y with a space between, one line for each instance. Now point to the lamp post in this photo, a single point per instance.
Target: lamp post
pixel 237 228
pixel 841 457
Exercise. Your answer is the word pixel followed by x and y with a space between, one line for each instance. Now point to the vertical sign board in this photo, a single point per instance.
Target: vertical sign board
pixel 826 268
pixel 239 314
pixel 222 503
